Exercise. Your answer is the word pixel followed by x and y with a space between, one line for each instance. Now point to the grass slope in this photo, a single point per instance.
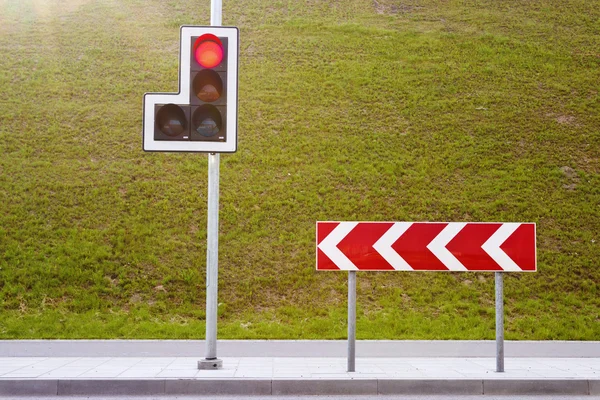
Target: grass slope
pixel 415 110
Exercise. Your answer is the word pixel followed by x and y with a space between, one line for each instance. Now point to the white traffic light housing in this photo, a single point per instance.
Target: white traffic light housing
pixel 202 117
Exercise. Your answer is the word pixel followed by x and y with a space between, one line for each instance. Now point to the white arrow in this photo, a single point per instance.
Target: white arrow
pixel 438 246
pixel 384 246
pixel 329 246
pixel 492 246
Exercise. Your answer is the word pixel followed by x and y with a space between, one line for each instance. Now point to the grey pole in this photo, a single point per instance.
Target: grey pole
pixel 351 320
pixel 216 12
pixel 212 266
pixel 212 248
pixel 499 322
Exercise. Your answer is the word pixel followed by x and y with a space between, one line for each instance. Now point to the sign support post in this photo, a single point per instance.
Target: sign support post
pixel 212 246
pixel 499 322
pixel 351 320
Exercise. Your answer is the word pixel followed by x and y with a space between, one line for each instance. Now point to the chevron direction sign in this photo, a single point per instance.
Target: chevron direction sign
pixel 426 246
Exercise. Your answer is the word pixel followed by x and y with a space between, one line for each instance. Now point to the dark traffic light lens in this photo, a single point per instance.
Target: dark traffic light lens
pixel 208 51
pixel 207 120
pixel 208 85
pixel 171 120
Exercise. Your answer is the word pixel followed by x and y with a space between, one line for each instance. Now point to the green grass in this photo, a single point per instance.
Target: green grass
pixel 348 110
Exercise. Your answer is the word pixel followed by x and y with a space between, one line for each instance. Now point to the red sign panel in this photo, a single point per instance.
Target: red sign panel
pixel 426 246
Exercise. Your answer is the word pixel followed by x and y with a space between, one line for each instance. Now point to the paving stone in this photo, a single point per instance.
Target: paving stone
pixel 535 386
pixel 28 387
pixel 65 372
pixel 218 386
pixel 141 372
pixel 324 387
pixel 110 387
pixel 431 386
pixel 177 373
pixel 594 386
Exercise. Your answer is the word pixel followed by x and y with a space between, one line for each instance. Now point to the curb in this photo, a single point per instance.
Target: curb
pixel 101 387
pixel 297 348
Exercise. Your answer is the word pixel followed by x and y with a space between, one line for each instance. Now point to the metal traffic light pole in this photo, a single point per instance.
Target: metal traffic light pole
pixel 212 248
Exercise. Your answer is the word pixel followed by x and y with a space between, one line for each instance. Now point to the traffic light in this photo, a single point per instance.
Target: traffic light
pixel 202 117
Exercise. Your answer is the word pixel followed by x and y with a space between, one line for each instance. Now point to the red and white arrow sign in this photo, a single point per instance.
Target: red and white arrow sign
pixel 426 246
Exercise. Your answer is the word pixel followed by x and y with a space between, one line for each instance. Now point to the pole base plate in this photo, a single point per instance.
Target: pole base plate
pixel 210 364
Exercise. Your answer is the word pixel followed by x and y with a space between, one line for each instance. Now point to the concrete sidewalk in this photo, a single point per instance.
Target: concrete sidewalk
pixel 40 368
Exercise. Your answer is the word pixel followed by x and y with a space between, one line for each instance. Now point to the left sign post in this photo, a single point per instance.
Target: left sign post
pixel 202 116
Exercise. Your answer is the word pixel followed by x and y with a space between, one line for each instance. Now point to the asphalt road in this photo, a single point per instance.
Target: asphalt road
pixel 380 397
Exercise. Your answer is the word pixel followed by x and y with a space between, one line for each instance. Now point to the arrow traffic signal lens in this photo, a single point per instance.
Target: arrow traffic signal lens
pixel 208 51
pixel 208 85
pixel 206 120
pixel 171 120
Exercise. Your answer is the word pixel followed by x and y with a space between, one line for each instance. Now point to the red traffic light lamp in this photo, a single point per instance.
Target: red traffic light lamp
pixel 208 51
